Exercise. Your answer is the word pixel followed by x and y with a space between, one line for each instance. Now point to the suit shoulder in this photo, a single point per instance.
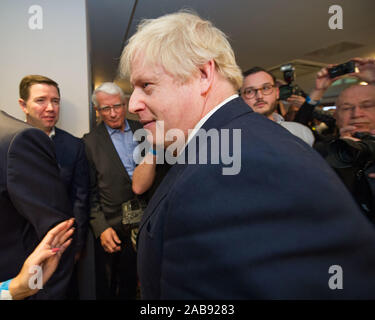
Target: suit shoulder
pixel 67 136
pixel 31 139
pixel 91 136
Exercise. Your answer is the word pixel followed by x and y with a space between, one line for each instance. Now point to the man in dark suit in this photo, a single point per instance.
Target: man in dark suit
pixel 276 223
pixel 32 200
pixel 109 149
pixel 40 101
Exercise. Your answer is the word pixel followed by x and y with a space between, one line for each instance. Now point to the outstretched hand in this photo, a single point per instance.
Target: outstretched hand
pixel 46 255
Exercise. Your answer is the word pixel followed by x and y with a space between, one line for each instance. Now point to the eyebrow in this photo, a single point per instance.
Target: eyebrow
pixel 252 87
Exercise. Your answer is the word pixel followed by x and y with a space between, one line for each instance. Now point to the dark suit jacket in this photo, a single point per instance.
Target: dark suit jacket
pixel 110 184
pixel 71 158
pixel 271 232
pixel 32 200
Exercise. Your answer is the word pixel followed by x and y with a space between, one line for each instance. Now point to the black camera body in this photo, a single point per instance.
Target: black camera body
pixel 349 153
pixel 341 69
pixel 289 89
pixel 352 161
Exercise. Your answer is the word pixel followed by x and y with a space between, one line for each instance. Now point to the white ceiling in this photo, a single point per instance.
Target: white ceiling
pixel 265 33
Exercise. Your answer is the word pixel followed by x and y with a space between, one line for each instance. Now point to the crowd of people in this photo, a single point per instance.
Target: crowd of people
pixel 154 230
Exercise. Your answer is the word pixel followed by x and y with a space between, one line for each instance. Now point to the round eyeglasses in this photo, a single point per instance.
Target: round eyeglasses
pixel 250 92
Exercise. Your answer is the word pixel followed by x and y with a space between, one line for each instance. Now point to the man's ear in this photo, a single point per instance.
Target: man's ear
pixel 277 92
pixel 207 73
pixel 22 104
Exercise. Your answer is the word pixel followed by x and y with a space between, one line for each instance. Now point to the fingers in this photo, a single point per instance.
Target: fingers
pixel 296 100
pixel 59 231
pixel 323 72
pixel 110 241
pixel 63 247
pixel 346 132
pixel 362 61
pixel 371 175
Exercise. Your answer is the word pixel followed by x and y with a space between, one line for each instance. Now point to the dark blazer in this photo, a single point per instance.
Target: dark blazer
pixel 32 200
pixel 271 232
pixel 110 184
pixel 71 158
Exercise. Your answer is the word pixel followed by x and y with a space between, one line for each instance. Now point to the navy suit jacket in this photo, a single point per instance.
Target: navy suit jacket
pixel 271 232
pixel 32 200
pixel 72 161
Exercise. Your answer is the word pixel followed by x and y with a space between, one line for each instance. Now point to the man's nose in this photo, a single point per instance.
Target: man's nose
pixel 259 94
pixel 50 106
pixel 135 103
pixel 357 112
pixel 112 112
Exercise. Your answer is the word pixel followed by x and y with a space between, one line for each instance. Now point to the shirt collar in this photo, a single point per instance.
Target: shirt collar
pixel 52 133
pixel 278 118
pixel 208 115
pixel 205 118
pixel 111 131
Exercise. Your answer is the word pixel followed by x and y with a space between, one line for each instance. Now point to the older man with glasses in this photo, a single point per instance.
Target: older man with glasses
pixel 109 149
pixel 260 92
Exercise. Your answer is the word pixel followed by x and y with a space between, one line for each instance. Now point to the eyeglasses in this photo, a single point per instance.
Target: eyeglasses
pixel 249 93
pixel 107 109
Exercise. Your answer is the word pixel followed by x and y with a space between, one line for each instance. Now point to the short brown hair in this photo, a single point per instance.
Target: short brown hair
pixel 30 80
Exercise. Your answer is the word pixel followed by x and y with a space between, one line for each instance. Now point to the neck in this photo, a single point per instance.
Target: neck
pixel 222 90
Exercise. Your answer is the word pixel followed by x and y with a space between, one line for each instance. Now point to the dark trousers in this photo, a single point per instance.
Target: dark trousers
pixel 116 273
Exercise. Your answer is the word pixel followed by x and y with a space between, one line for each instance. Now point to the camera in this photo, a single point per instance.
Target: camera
pixel 341 69
pixel 345 153
pixel 289 89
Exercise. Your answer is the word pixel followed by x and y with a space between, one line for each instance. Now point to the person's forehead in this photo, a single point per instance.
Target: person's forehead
pixel 103 97
pixel 42 88
pixel 257 79
pixel 142 71
pixel 357 94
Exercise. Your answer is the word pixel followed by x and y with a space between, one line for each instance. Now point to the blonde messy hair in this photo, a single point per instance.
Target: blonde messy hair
pixel 181 43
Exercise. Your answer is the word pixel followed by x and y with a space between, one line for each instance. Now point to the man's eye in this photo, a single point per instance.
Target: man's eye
pixel 367 106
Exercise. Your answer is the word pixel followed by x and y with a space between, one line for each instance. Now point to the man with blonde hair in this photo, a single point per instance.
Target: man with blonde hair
pixel 268 230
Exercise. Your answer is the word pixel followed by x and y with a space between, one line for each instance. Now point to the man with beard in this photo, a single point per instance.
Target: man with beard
pixel 261 93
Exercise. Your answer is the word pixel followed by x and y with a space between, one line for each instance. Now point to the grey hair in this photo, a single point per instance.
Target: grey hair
pixel 110 88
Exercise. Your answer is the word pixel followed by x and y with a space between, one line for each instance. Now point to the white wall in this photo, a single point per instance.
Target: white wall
pixel 59 51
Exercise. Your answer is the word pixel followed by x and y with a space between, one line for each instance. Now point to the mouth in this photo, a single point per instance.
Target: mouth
pixel 260 104
pixel 49 118
pixel 147 123
pixel 363 123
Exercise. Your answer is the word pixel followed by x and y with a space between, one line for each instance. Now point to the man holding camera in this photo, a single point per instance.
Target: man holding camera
pixel 352 155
